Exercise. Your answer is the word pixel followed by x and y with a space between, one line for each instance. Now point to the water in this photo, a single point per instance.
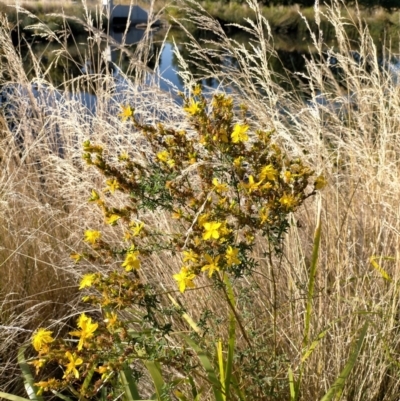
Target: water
pixel 78 59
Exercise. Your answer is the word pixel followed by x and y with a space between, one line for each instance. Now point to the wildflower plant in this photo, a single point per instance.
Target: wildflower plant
pixel 224 184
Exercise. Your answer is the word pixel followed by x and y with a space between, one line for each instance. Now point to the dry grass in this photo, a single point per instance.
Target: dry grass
pixel 353 139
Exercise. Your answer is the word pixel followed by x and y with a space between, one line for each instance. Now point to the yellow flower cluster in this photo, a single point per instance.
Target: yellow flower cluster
pixel 254 188
pixel 223 182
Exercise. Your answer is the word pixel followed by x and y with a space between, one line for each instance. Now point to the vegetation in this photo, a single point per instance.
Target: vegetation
pixel 388 4
pixel 292 21
pixel 284 17
pixel 211 265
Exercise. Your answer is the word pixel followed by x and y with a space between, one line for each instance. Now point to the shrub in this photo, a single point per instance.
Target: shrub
pixel 222 184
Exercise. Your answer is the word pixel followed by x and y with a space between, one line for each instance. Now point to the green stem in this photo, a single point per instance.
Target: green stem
pixel 237 317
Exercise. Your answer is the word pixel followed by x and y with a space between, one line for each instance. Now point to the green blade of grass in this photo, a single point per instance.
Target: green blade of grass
pixel 12 397
pixel 188 319
pixel 314 345
pixel 313 270
pixel 212 377
pixel 378 268
pixel 231 340
pixel 239 392
pixel 292 387
pixel 29 383
pixel 155 373
pixel 339 383
pixel 61 396
pixel 86 382
pixel 221 368
pixel 129 385
pixel 193 387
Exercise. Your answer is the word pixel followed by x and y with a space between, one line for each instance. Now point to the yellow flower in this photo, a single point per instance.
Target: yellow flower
pixel 112 220
pixel 47 385
pixel 87 330
pixel 177 214
pixel 221 136
pixel 123 157
pixel 264 214
pixel 40 338
pixel 251 185
pixel 171 163
pixel 87 280
pixel 38 364
pixel 74 361
pixel 287 176
pixel 131 261
pixel 184 279
pixel 76 257
pixel 94 196
pixel 136 227
pixel 287 201
pixel 239 133
pixel 320 182
pixel 231 256
pixel 193 108
pixel 211 230
pixel 82 319
pixel 238 162
pixel 249 237
pixel 267 186
pixel 212 265
pixel 190 256
pixel 222 202
pixel 111 320
pixel 196 91
pixel 224 230
pixel 269 173
pixel 192 157
pixel 92 236
pixel 112 185
pixel 104 370
pixel 126 112
pixel 163 156
pixel 202 219
pixel 219 187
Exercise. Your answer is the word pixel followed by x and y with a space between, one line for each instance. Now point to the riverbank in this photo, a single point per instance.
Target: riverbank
pixel 283 20
pixel 295 21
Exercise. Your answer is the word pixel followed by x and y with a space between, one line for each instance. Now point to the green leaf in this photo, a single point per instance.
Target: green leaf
pixel 86 382
pixel 155 373
pixel 62 396
pixel 212 377
pixel 292 387
pixel 339 383
pixel 232 338
pixel 131 392
pixel 12 397
pixel 221 368
pixel 193 388
pixel 188 319
pixel 313 270
pixel 235 385
pixel 378 268
pixel 314 344
pixel 29 383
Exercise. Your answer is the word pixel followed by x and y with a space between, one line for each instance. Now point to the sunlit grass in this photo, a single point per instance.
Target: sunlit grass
pixel 352 138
